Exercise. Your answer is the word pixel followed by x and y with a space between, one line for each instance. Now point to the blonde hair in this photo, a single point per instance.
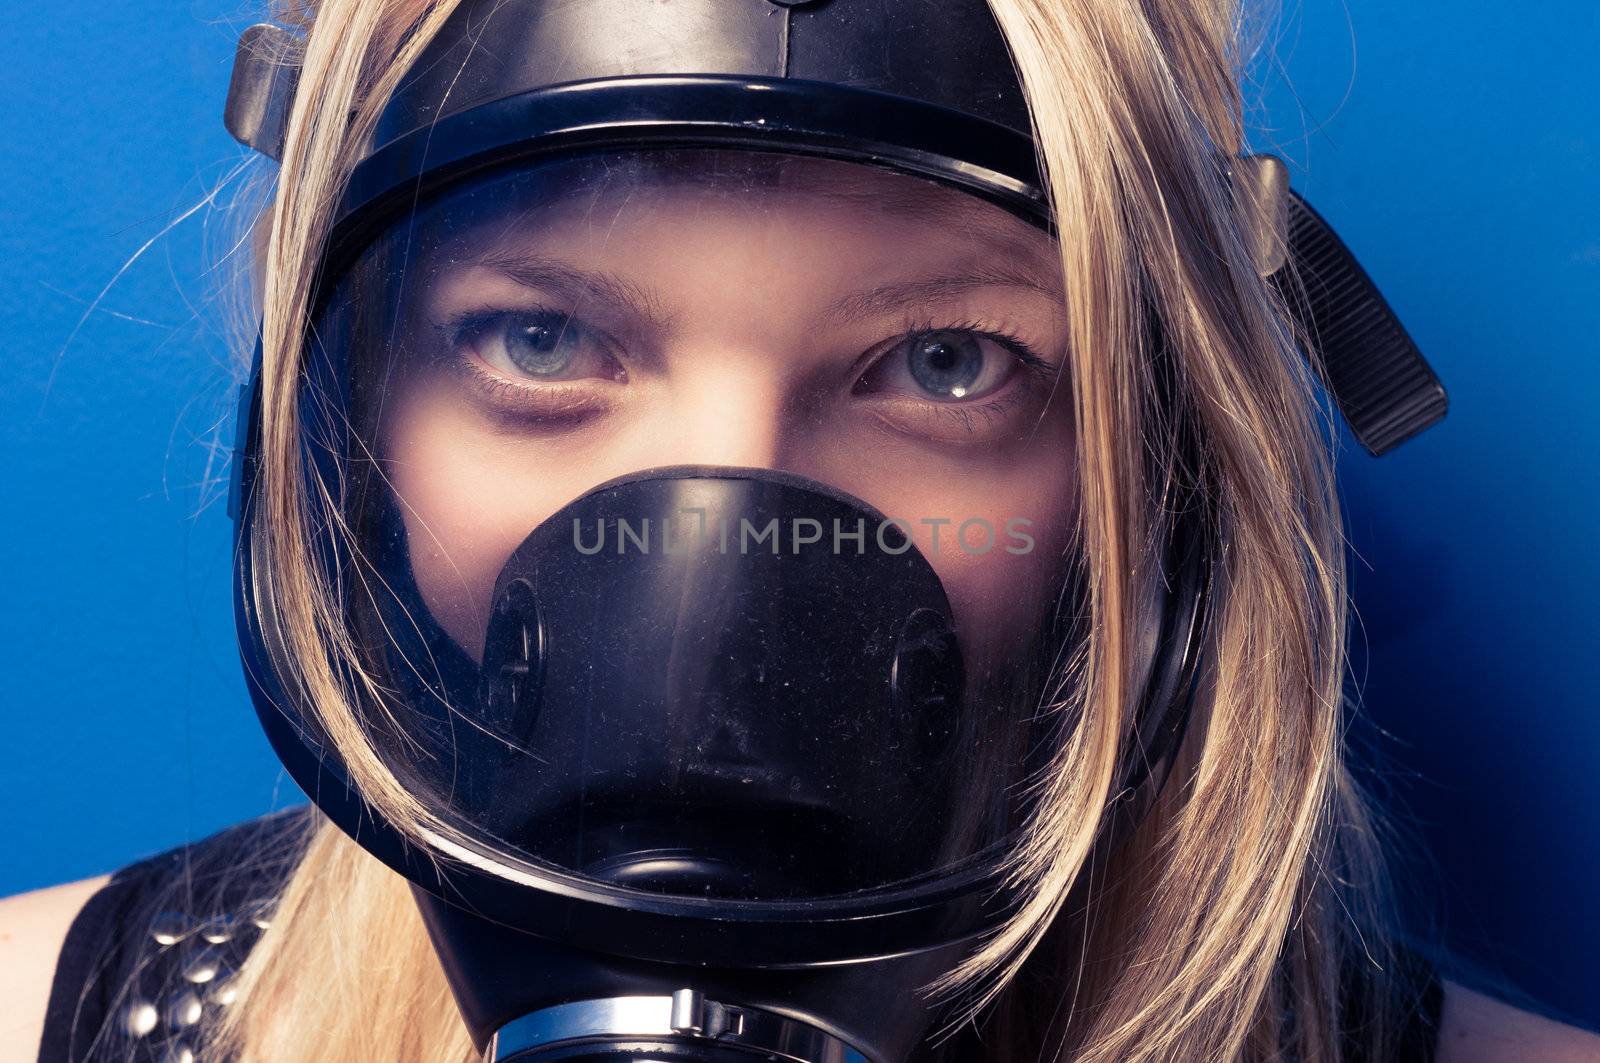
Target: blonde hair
pixel 1243 919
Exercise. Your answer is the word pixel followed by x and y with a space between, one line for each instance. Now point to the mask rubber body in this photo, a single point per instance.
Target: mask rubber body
pixel 775 782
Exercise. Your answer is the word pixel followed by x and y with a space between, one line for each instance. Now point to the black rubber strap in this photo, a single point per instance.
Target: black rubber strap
pixel 1385 388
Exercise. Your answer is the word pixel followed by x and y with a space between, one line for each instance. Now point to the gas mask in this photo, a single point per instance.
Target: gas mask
pixel 727 718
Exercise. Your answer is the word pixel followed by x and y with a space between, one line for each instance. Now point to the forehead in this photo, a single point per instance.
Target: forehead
pixel 781 194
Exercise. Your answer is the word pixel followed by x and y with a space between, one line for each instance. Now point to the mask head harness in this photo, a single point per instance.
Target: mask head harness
pixel 576 947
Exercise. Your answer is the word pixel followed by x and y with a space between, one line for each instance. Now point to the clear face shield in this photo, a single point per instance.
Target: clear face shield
pixel 692 475
pixel 710 519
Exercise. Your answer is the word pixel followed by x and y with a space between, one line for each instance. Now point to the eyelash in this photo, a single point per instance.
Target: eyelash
pixel 1024 352
pixel 962 414
pixel 456 328
pixel 510 401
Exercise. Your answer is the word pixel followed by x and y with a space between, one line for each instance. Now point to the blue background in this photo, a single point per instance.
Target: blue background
pixel 1456 147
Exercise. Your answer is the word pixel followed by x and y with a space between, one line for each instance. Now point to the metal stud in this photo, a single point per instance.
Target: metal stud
pixel 223 991
pixel 203 965
pixel 169 928
pixel 179 1053
pixel 184 1010
pixel 140 1018
pixel 218 929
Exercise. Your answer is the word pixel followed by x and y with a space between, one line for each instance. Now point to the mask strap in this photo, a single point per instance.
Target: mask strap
pixel 266 69
pixel 1385 388
pixel 1261 194
pixel 1383 385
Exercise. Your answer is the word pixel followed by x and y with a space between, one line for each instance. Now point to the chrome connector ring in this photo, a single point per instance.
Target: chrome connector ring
pixel 685 1017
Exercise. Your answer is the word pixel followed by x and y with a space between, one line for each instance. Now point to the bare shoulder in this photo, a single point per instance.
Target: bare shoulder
pixel 32 929
pixel 1474 1028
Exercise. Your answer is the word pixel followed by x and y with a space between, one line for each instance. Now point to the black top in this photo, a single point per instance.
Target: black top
pixel 150 958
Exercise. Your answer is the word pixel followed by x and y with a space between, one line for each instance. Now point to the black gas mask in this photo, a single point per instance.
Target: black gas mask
pixel 725 758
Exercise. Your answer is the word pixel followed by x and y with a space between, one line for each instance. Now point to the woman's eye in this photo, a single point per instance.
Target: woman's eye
pixel 541 345
pixel 945 365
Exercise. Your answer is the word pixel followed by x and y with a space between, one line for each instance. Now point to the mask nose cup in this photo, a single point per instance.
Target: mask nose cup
pixel 926 681
pixel 779 719
pixel 513 664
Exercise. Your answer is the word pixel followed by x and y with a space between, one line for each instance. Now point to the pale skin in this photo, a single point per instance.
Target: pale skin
pixel 773 328
pixel 813 319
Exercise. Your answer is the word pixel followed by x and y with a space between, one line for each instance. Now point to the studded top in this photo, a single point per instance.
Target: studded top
pixel 151 958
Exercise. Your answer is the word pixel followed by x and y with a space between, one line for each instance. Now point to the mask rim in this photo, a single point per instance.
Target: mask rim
pixel 735 113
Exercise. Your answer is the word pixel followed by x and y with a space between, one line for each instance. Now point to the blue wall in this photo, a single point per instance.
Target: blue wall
pixel 125 721
pixel 1456 147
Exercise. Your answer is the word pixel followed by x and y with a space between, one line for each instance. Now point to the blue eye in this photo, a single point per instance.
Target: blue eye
pixel 944 365
pixel 537 345
pixel 543 344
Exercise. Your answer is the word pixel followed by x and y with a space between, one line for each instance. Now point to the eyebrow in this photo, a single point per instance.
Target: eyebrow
pixel 887 298
pixel 578 285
